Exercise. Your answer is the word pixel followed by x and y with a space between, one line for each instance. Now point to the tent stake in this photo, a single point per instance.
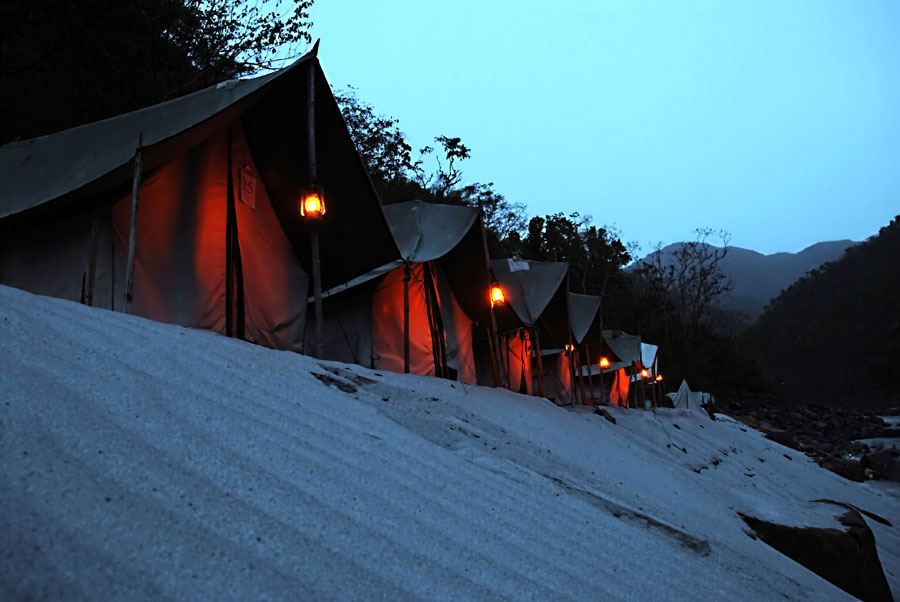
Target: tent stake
pixel 587 358
pixel 540 361
pixel 132 230
pixel 406 277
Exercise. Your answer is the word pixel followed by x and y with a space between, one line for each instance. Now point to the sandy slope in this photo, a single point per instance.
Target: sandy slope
pixel 146 460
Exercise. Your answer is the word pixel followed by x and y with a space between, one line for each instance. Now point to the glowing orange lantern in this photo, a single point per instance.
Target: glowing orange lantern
pixel 645 373
pixel 658 377
pixel 604 362
pixel 497 297
pixel 312 203
pixel 570 347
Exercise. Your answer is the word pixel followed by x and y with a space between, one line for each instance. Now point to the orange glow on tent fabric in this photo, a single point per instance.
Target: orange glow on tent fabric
pixel 497 297
pixel 645 373
pixel 604 362
pixel 312 203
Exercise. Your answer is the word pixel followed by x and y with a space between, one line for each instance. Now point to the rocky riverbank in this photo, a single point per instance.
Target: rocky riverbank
pixel 830 433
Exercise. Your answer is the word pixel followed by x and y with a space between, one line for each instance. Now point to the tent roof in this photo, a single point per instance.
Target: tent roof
pixel 583 310
pixel 627 347
pixel 45 168
pixel 648 355
pixel 428 231
pixel 80 168
pixel 529 286
pixel 452 235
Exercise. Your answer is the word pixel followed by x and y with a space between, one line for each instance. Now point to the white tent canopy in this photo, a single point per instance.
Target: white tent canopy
pixel 685 399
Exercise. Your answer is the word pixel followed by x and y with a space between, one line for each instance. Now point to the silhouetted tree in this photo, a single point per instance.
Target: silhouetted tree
pixel 67 63
pixel 835 333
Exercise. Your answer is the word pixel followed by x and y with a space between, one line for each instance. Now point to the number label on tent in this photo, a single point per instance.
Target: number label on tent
pixel 247 189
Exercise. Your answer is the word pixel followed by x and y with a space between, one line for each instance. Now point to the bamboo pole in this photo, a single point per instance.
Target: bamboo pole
pixel 314 234
pixel 92 268
pixel 496 359
pixel 580 376
pixel 490 339
pixel 590 368
pixel 540 361
pixel 509 384
pixel 132 230
pixel 572 377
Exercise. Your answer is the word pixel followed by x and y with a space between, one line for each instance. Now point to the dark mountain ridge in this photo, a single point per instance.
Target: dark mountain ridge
pixel 835 333
pixel 757 278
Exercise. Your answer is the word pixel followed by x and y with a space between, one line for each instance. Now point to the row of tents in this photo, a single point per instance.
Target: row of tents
pixel 193 212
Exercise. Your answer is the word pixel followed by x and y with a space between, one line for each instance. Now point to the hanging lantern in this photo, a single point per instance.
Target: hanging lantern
pixel 312 203
pixel 497 297
pixel 604 362
pixel 645 373
pixel 570 348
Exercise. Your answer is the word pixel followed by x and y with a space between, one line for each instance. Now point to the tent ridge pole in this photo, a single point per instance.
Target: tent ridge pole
pixel 132 230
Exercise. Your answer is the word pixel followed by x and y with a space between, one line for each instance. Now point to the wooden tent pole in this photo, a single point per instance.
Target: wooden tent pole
pixel 587 358
pixel 540 361
pixel 132 230
pixel 314 233
pixel 580 376
pixel 572 377
pixel 92 267
pixel 496 359
pixel 406 277
pixel 490 338
pixel 508 364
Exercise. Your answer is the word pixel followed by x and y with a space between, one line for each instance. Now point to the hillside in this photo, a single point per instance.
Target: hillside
pixel 147 461
pixel 758 278
pixel 836 332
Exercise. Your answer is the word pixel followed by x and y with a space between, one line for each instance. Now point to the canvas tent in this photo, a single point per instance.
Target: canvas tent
pixel 219 243
pixel 535 323
pixel 445 261
pixel 590 347
pixel 685 399
pixel 627 351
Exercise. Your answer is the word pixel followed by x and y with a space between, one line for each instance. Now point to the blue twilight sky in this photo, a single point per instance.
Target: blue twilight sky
pixel 777 120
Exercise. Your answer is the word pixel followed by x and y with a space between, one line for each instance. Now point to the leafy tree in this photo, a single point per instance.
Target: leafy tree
pixel 67 63
pixel 688 280
pixel 381 145
pixel 835 333
pixel 595 255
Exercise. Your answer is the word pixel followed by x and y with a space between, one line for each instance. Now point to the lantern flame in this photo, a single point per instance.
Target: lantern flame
pixel 645 373
pixel 604 362
pixel 497 297
pixel 312 204
pixel 658 377
pixel 570 347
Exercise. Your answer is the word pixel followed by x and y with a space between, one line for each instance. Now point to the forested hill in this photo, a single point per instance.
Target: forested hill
pixel 757 278
pixel 835 333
